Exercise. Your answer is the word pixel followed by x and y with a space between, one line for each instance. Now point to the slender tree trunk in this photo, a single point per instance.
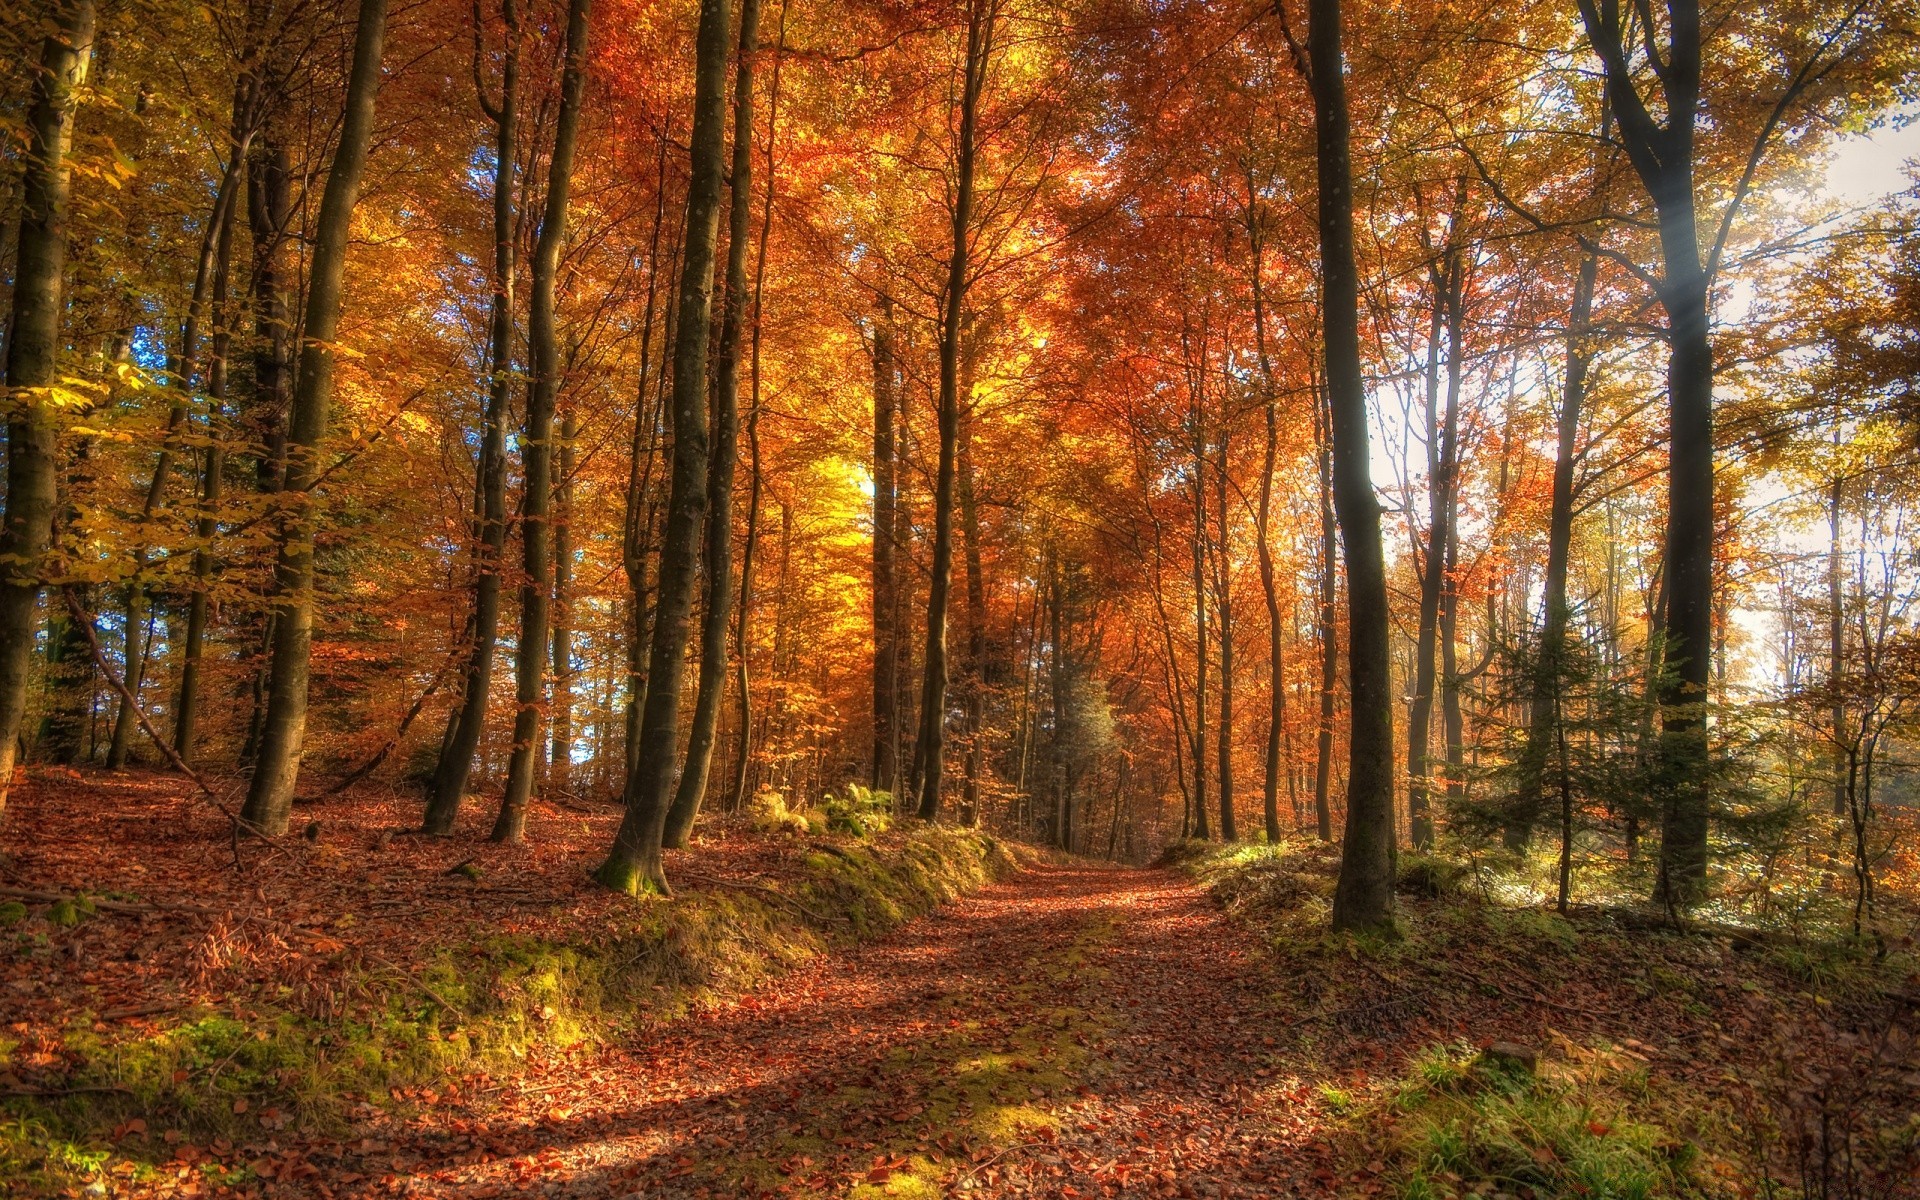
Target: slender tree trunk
pixel 1837 641
pixel 1549 664
pixel 1432 578
pixel 213 467
pixel 976 594
pixel 284 728
pixel 1197 547
pixel 886 643
pixel 1223 584
pixel 33 351
pixel 530 656
pixel 560 752
pixel 634 861
pixel 1269 582
pixel 981 16
pixel 743 750
pixel 469 719
pixel 1329 629
pixel 724 453
pixel 1363 897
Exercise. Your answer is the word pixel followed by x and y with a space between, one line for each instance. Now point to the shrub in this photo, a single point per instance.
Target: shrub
pixel 861 812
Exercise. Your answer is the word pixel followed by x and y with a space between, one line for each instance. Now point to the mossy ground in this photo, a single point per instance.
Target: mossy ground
pixel 234 1072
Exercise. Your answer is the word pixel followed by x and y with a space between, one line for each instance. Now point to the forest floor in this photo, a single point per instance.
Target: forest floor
pixel 1067 1030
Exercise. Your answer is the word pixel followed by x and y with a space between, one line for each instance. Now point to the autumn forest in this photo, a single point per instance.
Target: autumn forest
pixel 551 539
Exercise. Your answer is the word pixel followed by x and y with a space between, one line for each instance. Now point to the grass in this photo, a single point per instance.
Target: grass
pixel 482 1007
pixel 1461 1124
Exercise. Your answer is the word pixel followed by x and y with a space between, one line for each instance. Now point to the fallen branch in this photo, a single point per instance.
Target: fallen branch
pixel 101 902
pixel 127 698
pixel 781 896
pixel 48 1093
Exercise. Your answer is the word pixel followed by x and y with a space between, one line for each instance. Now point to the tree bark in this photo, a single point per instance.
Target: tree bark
pixel 1329 629
pixel 560 751
pixel 976 591
pixel 1543 707
pixel 1269 582
pixel 885 775
pixel 634 861
pixel 1223 586
pixel 284 728
pixel 981 17
pixel 469 719
pixel 530 656
pixel 33 351
pixel 1363 897
pixel 724 452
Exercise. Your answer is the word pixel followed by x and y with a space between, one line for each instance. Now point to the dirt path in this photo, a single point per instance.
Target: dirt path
pixel 1071 1032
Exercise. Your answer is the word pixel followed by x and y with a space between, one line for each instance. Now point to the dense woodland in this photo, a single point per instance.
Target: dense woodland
pixel 610 597
pixel 1101 423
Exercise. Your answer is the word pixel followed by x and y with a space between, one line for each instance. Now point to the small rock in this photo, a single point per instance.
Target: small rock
pixel 1511 1056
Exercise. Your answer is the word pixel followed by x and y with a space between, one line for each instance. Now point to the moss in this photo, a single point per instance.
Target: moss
pixel 12 912
pixel 1460 1124
pixel 480 1007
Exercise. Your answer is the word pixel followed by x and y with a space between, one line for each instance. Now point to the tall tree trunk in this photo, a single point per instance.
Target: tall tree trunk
pixel 1263 523
pixel 33 351
pixel 1432 572
pixel 1223 583
pixel 560 753
pixel 743 747
pixel 976 591
pixel 1549 676
pixel 530 656
pixel 634 861
pixel 469 719
pixel 1202 827
pixel 886 603
pixel 1837 642
pixel 1662 156
pixel 1329 629
pixel 284 727
pixel 724 454
pixel 1363 897
pixel 213 467
pixel 641 512
pixel 981 17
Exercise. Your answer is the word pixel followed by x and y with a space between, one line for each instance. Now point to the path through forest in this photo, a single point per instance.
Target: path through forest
pixel 1068 1032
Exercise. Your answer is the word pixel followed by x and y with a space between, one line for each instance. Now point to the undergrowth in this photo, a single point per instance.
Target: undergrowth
pixel 473 1009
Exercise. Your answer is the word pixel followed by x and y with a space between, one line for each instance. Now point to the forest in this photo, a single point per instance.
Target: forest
pixel 934 597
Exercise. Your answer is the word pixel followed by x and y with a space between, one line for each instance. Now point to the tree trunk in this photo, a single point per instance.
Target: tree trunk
pixel 641 512
pixel 1223 584
pixel 724 453
pixel 284 728
pixel 1836 643
pixel 469 719
pixel 981 16
pixel 1662 156
pixel 1432 573
pixel 1197 547
pixel 886 634
pixel 33 351
pixel 560 753
pixel 1549 677
pixel 1329 630
pixel 1363 897
pixel 976 593
pixel 213 467
pixel 743 749
pixel 1269 583
pixel 634 861
pixel 530 656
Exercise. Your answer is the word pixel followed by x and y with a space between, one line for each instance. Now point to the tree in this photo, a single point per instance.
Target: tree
pixel 724 453
pixel 537 444
pixel 468 721
pixel 1363 898
pixel 634 861
pixel 929 746
pixel 284 726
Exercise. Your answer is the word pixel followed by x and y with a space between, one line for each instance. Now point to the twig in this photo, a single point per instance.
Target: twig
pixel 781 896
pixel 46 1093
pixel 409 976
pixel 102 902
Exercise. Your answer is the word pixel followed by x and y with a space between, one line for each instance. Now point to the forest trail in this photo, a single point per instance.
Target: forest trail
pixel 1068 1032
